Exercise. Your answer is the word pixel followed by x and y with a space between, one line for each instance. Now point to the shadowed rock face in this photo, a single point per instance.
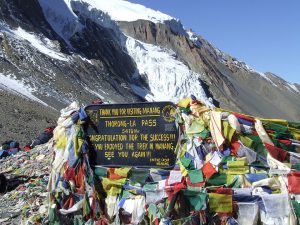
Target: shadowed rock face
pixel 95 59
pixel 93 63
pixel 95 66
pixel 22 120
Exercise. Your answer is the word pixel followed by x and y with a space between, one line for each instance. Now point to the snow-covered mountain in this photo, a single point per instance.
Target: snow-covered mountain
pixel 54 52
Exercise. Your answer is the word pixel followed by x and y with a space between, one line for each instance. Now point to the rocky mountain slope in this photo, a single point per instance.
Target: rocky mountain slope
pixel 55 52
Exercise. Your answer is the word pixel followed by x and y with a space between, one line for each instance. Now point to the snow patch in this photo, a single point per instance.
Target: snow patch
pixel 292 86
pixel 61 17
pixel 93 92
pixel 120 10
pixel 194 38
pixel 267 78
pixel 18 87
pixel 168 78
pixel 46 46
pixel 143 93
pixel 85 10
pixel 84 59
pixel 176 27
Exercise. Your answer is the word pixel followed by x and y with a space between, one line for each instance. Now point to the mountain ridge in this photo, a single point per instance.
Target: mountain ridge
pixel 67 50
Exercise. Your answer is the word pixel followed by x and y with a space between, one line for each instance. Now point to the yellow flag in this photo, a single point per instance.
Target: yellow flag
pixel 62 142
pixel 122 171
pixel 220 203
pixel 113 187
pixel 184 102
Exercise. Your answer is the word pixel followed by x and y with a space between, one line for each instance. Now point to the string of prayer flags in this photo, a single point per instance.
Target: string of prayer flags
pixel 230 168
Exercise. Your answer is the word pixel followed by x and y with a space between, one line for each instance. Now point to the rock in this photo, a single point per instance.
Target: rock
pixel 3 183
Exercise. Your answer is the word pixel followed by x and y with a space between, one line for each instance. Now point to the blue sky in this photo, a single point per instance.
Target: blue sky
pixel 263 33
